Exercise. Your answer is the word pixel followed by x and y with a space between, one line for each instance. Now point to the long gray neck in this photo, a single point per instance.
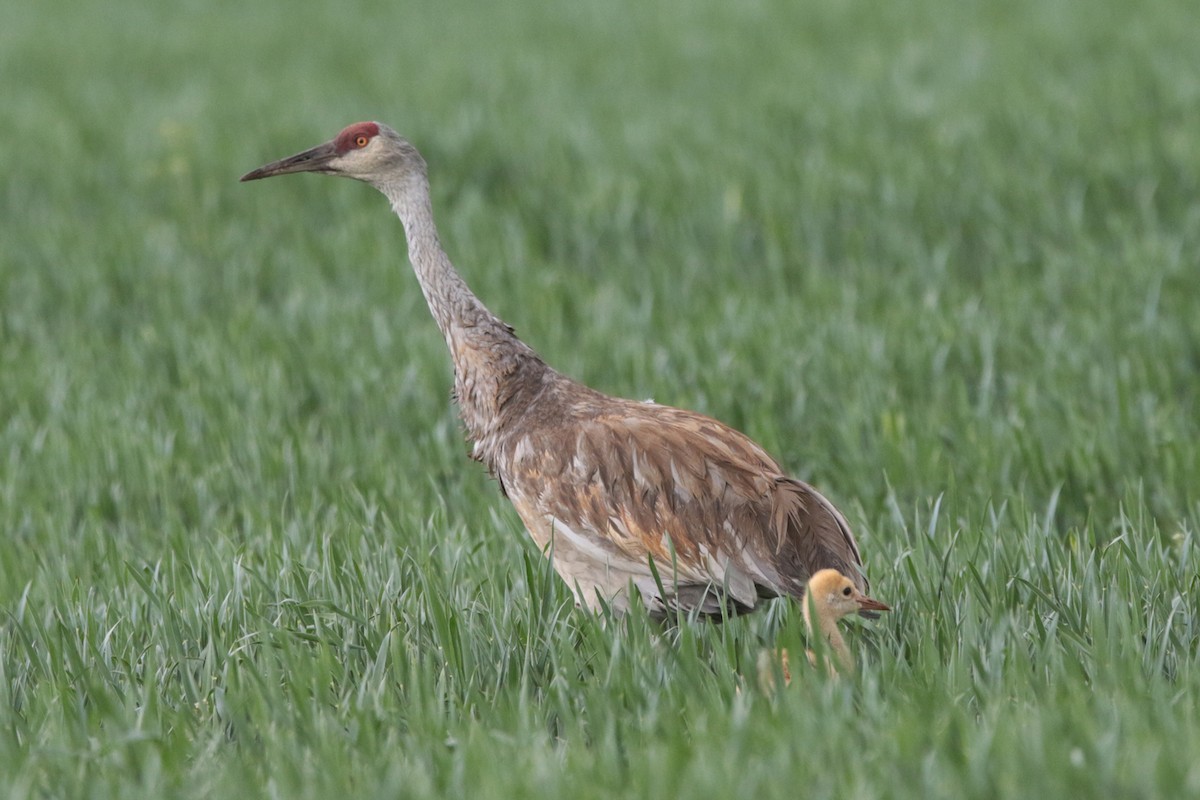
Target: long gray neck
pixel 492 367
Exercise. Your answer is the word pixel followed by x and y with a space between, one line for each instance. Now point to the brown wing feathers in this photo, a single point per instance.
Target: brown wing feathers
pixel 709 506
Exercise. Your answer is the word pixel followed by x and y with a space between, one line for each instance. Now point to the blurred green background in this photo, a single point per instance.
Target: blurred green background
pixel 942 260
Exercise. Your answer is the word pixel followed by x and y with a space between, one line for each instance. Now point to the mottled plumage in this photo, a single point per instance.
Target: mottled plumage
pixel 692 513
pixel 607 485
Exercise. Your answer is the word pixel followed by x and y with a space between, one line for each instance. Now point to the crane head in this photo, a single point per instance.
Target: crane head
pixel 834 596
pixel 367 151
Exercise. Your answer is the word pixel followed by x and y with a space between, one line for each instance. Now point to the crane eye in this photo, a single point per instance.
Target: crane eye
pixel 846 591
pixel 361 141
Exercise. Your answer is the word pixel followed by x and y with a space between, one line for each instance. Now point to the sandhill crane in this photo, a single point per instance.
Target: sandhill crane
pixel 829 597
pixel 618 493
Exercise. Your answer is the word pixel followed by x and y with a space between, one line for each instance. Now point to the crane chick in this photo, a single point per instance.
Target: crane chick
pixel 830 596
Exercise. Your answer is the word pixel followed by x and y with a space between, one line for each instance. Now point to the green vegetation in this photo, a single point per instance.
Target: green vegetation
pixel 942 259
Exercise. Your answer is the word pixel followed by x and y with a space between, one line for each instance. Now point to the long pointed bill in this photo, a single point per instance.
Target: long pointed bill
pixel 870 604
pixel 314 160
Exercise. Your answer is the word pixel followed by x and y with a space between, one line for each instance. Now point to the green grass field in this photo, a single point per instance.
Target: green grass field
pixel 943 260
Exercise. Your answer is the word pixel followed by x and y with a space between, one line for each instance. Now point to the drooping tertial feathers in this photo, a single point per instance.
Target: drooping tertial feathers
pixel 618 493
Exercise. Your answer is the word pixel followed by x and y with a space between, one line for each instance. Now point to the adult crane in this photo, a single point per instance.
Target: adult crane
pixel 617 493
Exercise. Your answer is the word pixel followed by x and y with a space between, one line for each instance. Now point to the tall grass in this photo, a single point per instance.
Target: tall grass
pixel 944 261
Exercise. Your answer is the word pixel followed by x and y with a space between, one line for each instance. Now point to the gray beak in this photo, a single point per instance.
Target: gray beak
pixel 315 160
